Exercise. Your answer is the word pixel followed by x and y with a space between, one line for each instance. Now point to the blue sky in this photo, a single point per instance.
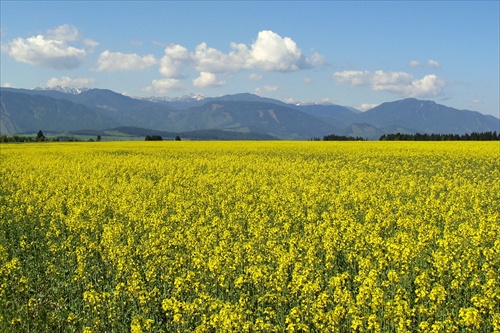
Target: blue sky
pixel 358 53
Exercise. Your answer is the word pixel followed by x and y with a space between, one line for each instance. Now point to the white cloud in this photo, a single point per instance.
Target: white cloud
pixel 164 86
pixel 117 61
pixel 430 63
pixel 7 85
pixel 270 88
pixel 390 81
pixel 208 59
pixel 69 82
pixel 316 60
pixel 207 79
pixel 39 51
pixel 429 85
pixel 65 33
pixel 258 91
pixel 269 52
pixel 91 44
pixel 414 63
pixel 51 50
pixel 433 63
pixel 401 83
pixel 175 59
pixel 255 77
pixel 366 106
pixel 355 78
pixel 308 80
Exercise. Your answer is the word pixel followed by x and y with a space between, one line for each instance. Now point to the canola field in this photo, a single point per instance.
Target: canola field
pixel 250 237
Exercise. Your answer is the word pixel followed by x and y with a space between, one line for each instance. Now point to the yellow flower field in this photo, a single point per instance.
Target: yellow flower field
pixel 250 237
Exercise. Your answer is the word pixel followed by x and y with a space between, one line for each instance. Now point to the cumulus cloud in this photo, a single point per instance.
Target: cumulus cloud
pixel 90 44
pixel 164 86
pixel 255 77
pixel 39 51
pixel 269 52
pixel 270 88
pixel 65 32
pixel 175 59
pixel 316 60
pixel 207 79
pixel 414 63
pixel 51 50
pixel 401 83
pixel 69 82
pixel 207 59
pixel 355 78
pixel 429 85
pixel 308 80
pixel 7 85
pixel 430 63
pixel 366 106
pixel 258 91
pixel 390 81
pixel 433 63
pixel 117 61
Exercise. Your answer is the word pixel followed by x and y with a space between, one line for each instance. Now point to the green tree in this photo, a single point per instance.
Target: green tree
pixel 40 136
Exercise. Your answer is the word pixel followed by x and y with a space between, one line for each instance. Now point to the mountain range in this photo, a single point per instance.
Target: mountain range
pixel 65 110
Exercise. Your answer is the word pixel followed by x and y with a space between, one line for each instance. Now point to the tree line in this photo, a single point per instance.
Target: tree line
pixel 40 137
pixel 474 136
pixel 334 137
pixel 159 138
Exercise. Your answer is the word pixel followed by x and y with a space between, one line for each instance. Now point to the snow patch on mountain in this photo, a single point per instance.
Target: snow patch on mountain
pixel 66 90
pixel 185 98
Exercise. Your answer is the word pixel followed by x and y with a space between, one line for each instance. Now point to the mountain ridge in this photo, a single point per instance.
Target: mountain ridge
pixel 91 109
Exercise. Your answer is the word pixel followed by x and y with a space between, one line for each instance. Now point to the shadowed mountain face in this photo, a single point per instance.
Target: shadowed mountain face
pixel 96 109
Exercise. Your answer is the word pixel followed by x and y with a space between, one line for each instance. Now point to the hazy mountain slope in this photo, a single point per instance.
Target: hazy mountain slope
pixel 336 115
pixel 186 103
pixel 362 130
pixel 56 94
pixel 126 110
pixel 23 113
pixel 428 117
pixel 122 109
pixel 104 99
pixel 251 116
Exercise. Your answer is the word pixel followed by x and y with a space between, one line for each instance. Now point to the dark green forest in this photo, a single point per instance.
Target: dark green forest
pixel 474 136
